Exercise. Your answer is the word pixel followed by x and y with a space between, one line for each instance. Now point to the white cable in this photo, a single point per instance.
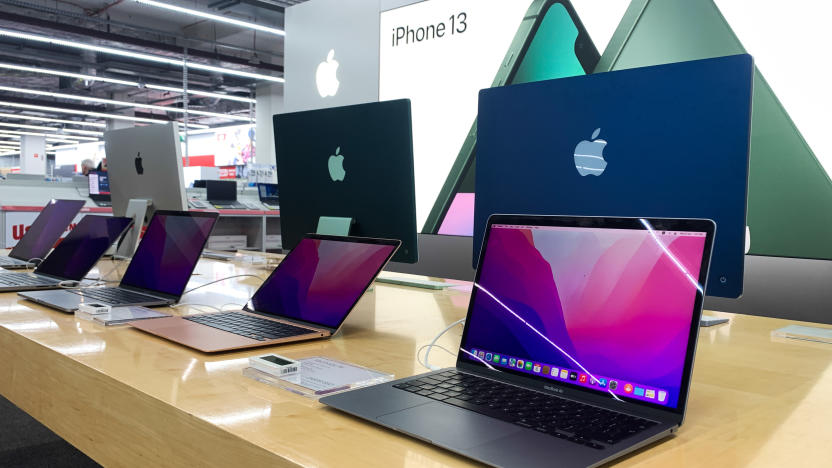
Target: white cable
pixel 220 281
pixel 30 263
pixel 426 363
pixel 419 351
pixel 100 280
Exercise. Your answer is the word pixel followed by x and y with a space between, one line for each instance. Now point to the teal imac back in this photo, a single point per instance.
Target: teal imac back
pixel 789 192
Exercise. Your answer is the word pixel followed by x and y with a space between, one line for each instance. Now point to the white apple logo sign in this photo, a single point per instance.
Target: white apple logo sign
pixel 326 77
pixel 336 166
pixel 589 156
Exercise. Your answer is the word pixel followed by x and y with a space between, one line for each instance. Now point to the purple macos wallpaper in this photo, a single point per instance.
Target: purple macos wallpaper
pixel 607 309
pixel 321 280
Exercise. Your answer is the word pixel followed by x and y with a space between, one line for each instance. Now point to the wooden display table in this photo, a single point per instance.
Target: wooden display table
pixel 130 399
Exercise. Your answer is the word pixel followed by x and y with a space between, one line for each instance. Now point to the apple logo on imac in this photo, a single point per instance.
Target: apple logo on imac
pixel 589 156
pixel 138 161
pixel 326 77
pixel 336 166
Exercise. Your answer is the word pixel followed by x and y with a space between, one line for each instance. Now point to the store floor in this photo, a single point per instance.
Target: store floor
pixel 26 443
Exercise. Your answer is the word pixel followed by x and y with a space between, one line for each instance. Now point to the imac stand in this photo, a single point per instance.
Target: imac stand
pixel 709 321
pixel 136 209
pixel 334 226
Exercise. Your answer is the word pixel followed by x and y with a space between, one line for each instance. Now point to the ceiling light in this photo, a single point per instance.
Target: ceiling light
pixel 75 137
pixel 47 119
pixel 177 110
pixel 222 19
pixel 102 115
pixel 136 55
pixel 50 129
pixel 136 84
pixel 227 97
pixel 58 140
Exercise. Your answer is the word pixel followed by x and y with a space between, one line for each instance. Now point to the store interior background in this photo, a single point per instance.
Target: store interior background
pixel 788 43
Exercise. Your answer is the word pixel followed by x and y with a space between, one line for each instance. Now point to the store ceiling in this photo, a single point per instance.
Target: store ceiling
pixel 135 27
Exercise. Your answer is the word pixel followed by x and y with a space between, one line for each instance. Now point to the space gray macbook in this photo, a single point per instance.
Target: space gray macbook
pixel 578 344
pixel 157 274
pixel 41 236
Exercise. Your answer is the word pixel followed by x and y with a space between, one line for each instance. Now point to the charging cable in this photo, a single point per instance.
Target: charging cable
pixel 31 264
pixel 433 344
pixel 221 280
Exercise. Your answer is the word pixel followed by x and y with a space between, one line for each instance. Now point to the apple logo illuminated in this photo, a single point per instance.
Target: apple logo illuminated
pixel 326 77
pixel 589 156
pixel 139 167
pixel 336 166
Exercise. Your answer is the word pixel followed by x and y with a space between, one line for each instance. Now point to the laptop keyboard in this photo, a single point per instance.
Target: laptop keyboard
pixel 10 261
pixel 22 279
pixel 229 205
pixel 248 326
pixel 115 296
pixel 566 419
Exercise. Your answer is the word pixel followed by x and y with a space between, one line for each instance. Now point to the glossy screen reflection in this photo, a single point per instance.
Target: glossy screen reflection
pixel 605 309
pixel 321 280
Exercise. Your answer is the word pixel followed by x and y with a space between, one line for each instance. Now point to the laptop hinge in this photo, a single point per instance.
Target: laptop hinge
pixel 56 278
pixel 297 322
pixel 147 292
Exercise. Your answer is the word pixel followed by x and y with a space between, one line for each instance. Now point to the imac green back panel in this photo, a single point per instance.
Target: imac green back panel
pixel 789 192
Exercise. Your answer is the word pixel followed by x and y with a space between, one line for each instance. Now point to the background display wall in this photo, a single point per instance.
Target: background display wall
pixel 787 43
pixel 440 54
pixel 442 77
pixel 314 78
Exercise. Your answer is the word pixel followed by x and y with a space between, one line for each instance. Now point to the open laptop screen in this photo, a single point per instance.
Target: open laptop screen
pixel 46 229
pixel 604 309
pixel 80 250
pixel 221 190
pixel 168 252
pixel 322 279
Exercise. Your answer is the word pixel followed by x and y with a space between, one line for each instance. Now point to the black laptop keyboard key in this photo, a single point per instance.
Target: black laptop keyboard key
pixel 22 279
pixel 114 296
pixel 249 326
pixel 565 419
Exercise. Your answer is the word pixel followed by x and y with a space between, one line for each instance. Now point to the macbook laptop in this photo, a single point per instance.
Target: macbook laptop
pixel 662 141
pixel 308 296
pixel 45 230
pixel 157 274
pixel 578 344
pixel 73 258
pixel 100 188
pixel 268 195
pixel 223 194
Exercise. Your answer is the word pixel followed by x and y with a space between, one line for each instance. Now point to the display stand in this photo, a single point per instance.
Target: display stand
pixel 706 321
pixel 320 376
pixel 137 210
pixel 334 226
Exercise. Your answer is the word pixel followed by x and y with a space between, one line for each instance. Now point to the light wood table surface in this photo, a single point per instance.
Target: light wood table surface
pixel 130 399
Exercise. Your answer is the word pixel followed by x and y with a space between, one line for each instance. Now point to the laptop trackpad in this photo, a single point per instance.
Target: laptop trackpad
pixel 448 425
